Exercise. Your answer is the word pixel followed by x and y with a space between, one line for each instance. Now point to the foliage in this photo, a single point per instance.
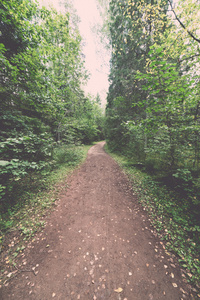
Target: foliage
pixel 70 155
pixel 152 114
pixel 43 104
pixel 132 32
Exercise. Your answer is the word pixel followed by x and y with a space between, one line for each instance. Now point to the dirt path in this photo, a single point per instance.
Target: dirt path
pixel 97 244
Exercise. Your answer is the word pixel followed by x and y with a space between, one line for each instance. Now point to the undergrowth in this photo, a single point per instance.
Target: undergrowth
pixel 175 223
pixel 36 198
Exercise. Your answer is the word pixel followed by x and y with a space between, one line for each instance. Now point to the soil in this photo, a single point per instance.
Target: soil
pixel 97 244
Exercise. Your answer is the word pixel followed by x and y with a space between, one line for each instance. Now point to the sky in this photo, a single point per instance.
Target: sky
pixel 96 57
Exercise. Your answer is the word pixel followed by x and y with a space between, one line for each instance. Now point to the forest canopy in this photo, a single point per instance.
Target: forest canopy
pixel 153 101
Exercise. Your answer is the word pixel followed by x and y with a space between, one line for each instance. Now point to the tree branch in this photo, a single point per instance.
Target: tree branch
pixel 182 25
pixel 190 57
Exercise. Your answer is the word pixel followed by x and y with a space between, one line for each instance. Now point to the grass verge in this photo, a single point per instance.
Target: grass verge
pixel 175 225
pixel 27 217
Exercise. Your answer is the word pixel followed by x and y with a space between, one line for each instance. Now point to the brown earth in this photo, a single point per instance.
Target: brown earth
pixel 97 244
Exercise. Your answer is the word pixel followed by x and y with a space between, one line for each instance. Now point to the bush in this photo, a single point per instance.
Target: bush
pixel 68 154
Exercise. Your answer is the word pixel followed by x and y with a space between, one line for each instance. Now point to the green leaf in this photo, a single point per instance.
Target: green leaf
pixel 4 163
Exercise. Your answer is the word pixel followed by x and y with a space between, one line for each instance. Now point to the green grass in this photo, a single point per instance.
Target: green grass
pixel 171 215
pixel 37 197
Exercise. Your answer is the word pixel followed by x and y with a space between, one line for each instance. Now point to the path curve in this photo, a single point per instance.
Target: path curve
pixel 97 244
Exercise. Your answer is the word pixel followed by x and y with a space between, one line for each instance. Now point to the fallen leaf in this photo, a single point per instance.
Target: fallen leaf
pixel 119 290
pixel 174 284
pixel 172 275
pixel 91 271
pixel 182 291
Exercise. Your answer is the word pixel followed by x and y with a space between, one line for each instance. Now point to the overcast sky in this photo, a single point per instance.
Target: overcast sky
pixel 97 59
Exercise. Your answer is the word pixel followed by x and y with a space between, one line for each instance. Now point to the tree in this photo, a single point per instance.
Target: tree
pixel 134 27
pixel 153 105
pixel 42 72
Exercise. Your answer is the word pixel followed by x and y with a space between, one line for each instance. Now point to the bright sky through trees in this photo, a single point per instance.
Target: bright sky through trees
pixel 97 59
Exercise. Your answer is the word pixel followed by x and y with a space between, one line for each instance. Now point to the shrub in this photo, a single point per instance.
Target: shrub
pixel 68 154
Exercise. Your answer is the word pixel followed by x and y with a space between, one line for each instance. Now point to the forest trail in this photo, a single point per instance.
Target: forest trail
pixel 97 244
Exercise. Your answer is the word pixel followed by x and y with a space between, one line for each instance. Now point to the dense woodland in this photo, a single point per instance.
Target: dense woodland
pixel 153 101
pixel 43 105
pixel 153 112
pixel 153 107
